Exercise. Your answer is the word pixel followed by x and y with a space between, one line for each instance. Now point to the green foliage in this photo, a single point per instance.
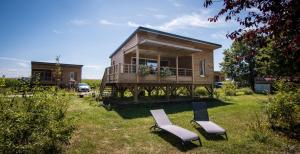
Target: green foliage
pixel 238 63
pixel 201 91
pixel 229 88
pixel 36 123
pixel 12 83
pixel 93 83
pixel 57 71
pixel 165 72
pixel 284 109
pixel 2 82
pixel 246 91
pixel 144 70
pixel 259 128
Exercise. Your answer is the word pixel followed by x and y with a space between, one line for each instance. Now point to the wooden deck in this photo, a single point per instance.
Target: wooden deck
pixel 125 73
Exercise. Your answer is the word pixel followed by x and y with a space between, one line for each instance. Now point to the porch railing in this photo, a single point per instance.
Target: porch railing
pixel 113 72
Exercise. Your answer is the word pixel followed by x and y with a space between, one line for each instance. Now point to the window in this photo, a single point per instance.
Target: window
pixel 72 76
pixel 202 68
pixel 42 75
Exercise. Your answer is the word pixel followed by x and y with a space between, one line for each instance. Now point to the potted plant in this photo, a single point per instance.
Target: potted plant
pixel 144 70
pixel 165 72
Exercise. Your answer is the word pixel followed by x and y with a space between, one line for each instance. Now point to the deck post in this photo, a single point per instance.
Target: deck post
pixel 193 78
pixel 158 67
pixel 137 64
pixel 176 69
pixel 193 90
pixel 136 93
pixel 168 92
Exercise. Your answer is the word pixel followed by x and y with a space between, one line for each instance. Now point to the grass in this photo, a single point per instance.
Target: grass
pixel 126 129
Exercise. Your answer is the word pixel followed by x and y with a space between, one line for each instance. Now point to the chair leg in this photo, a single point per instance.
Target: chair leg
pixel 200 141
pixel 226 136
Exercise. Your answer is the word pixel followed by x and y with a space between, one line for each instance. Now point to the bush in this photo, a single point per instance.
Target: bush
pixel 201 91
pixel 34 124
pixel 246 91
pixel 284 109
pixel 229 88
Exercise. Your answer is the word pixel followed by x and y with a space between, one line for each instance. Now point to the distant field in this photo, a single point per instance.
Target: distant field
pixel 94 83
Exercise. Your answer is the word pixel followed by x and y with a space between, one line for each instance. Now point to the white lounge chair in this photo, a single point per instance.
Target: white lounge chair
pixel 162 122
pixel 201 118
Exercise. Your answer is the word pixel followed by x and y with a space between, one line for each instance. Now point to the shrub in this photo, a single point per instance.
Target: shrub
pixel 34 124
pixel 201 91
pixel 246 91
pixel 284 109
pixel 229 88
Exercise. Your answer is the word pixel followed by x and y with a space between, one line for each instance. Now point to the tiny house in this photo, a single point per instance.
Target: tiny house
pixel 151 60
pixel 44 71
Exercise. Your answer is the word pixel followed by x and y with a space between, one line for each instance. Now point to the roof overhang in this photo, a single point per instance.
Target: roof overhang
pixel 168 45
pixel 148 30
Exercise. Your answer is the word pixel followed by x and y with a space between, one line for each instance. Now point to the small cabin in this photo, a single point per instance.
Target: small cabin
pixel 154 60
pixel 45 73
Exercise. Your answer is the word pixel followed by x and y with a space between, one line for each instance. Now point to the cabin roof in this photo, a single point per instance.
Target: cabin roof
pixel 166 34
pixel 53 64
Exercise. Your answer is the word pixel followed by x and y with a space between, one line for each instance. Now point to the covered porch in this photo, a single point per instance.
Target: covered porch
pixel 154 62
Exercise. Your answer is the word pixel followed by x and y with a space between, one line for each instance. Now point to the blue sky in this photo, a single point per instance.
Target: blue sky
pixel 88 31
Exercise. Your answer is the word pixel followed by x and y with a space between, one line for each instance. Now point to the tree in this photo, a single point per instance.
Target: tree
pixel 57 71
pixel 239 63
pixel 274 24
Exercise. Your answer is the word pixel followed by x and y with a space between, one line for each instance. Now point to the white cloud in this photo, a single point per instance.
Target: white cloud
pixel 105 22
pixel 160 16
pixel 57 31
pixel 175 3
pixel 218 35
pixel 132 24
pixel 191 20
pixel 22 64
pixel 79 22
pixel 152 9
pixel 15 59
pixel 93 66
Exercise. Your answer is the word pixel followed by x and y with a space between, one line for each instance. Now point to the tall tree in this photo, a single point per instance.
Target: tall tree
pixel 239 63
pixel 57 71
pixel 274 24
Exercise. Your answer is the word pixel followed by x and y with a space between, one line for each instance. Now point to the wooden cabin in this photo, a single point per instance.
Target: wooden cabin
pixel 45 72
pixel 151 60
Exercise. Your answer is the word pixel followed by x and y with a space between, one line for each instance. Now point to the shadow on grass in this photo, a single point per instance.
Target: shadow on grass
pixel 130 111
pixel 176 142
pixel 207 136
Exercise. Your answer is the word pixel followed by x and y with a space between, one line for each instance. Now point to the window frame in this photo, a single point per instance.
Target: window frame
pixel 202 69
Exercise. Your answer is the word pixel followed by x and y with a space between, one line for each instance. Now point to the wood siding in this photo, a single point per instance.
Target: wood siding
pixel 206 55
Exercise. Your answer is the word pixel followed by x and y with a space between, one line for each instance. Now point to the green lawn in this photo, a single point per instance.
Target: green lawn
pixel 126 129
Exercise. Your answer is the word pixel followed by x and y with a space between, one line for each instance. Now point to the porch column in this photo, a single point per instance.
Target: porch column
pixel 193 78
pixel 137 60
pixel 177 69
pixel 158 67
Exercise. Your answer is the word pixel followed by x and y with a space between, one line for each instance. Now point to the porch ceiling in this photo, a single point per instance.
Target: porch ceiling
pixel 166 48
